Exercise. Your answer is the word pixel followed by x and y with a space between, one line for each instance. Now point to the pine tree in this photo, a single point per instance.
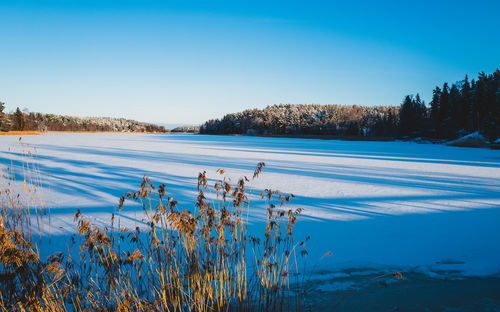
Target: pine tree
pixel 4 124
pixel 420 107
pixel 18 120
pixel 411 115
pixel 466 106
pixel 480 100
pixel 444 111
pixel 435 108
pixel 491 118
pixel 420 114
pixel 456 112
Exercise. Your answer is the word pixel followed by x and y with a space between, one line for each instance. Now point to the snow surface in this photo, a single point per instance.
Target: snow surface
pixel 474 139
pixel 433 207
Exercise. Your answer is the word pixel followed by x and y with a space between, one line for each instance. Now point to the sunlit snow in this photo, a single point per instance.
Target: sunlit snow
pixel 385 203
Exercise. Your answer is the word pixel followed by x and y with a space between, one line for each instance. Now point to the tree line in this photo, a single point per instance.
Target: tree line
pixel 456 110
pixel 30 121
pixel 467 107
pixel 308 119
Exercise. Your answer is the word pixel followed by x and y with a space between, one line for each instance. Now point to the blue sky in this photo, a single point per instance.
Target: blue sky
pixel 189 61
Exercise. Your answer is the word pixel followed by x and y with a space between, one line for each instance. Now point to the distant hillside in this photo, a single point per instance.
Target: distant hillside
pixel 48 122
pixel 186 129
pixel 288 119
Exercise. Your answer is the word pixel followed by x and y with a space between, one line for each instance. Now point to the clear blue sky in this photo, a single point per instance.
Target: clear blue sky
pixel 188 61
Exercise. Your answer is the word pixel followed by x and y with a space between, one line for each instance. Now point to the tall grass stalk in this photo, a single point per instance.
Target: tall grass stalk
pixel 179 260
pixel 20 209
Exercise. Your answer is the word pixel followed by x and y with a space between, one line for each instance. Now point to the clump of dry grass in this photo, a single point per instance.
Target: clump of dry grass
pixel 202 259
pixel 27 283
pixel 21 209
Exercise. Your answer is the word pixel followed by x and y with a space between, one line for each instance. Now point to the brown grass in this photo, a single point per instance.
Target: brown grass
pixel 31 132
pixel 202 259
pixel 27 132
pixel 20 209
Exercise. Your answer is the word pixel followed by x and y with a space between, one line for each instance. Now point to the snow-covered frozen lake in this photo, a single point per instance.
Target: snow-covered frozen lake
pixel 370 203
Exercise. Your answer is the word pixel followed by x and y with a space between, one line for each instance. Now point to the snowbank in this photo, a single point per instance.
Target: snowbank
pixel 471 140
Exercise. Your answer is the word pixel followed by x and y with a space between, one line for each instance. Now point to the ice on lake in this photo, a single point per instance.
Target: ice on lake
pixel 370 203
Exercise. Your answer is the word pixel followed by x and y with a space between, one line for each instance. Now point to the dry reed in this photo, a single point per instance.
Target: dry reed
pixel 182 260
